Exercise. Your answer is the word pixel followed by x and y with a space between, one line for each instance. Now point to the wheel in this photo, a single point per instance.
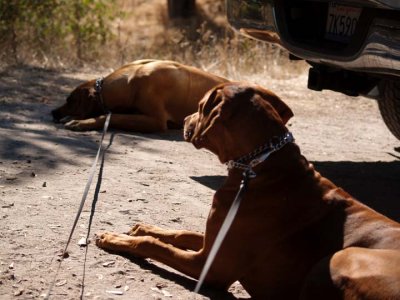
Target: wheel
pixel 389 105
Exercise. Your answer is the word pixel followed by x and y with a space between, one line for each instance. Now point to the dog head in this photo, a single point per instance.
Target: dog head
pixel 235 118
pixel 81 104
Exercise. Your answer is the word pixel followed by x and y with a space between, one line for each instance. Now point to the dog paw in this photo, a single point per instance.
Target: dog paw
pixel 74 125
pixel 107 240
pixel 142 230
pixel 137 230
pixel 81 125
pixel 100 239
pixel 118 243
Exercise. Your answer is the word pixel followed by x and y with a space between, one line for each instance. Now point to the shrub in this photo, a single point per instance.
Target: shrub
pixel 36 29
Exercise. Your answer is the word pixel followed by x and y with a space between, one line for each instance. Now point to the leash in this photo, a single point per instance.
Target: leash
pixel 93 209
pixel 89 182
pixel 256 157
pixel 224 229
pixel 84 196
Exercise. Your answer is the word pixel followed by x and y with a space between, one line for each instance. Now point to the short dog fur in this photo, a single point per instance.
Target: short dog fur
pixel 144 96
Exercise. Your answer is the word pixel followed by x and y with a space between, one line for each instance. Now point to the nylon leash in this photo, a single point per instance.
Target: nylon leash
pixel 84 196
pixel 224 229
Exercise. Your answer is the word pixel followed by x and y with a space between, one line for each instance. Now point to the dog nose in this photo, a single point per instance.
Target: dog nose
pixel 188 130
pixel 56 115
pixel 188 134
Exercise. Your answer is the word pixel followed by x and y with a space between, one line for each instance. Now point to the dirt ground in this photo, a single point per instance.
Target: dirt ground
pixel 157 179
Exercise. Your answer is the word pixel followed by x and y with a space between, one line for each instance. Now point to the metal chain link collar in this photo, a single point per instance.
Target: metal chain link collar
pixel 98 88
pixel 260 154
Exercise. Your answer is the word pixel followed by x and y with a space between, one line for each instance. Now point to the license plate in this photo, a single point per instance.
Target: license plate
pixel 341 22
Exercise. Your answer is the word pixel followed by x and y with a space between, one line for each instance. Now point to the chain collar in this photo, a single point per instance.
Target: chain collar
pixel 98 86
pixel 260 154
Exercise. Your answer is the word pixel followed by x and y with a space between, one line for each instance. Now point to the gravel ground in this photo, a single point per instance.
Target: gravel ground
pixel 157 179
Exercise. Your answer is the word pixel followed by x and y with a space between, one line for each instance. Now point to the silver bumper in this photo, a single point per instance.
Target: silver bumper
pixel 379 53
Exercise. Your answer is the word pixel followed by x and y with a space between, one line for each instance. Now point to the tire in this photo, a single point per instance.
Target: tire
pixel 389 105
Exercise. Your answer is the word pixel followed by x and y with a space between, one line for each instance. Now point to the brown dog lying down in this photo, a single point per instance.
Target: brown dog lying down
pixel 296 235
pixel 144 96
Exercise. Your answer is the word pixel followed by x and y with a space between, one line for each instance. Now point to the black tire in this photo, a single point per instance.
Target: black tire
pixel 389 105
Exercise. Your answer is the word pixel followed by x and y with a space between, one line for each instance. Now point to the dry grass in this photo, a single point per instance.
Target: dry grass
pixel 206 41
pixel 142 29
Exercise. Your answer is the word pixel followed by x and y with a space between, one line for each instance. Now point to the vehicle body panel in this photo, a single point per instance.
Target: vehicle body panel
pixel 299 26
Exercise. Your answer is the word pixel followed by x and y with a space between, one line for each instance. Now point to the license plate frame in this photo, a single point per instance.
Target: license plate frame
pixel 341 22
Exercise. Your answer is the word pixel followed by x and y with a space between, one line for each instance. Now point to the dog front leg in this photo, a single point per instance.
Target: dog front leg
pixel 187 262
pixel 86 124
pixel 182 239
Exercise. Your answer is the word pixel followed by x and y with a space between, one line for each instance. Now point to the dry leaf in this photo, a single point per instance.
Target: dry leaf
pixel 82 242
pixel 115 292
pixel 108 263
pixel 162 291
pixel 61 283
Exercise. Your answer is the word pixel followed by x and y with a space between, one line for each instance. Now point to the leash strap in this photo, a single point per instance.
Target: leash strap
pixel 223 230
pixel 89 182
pixel 84 196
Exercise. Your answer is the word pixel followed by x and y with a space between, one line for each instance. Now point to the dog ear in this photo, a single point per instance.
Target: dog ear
pixel 210 103
pixel 281 107
pixel 231 96
pixel 232 93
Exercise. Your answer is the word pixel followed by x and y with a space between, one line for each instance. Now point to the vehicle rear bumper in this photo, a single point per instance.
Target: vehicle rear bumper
pixel 378 51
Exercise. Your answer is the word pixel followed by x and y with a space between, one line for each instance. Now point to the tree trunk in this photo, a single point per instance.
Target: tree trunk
pixel 181 8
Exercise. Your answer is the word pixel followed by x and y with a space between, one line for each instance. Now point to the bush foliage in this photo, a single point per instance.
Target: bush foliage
pixel 39 28
pixel 110 33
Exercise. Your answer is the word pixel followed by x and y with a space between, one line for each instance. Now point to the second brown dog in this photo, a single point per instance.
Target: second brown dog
pixel 144 96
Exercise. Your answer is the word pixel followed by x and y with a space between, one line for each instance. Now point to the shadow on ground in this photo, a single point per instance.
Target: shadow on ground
pixel 186 282
pixel 27 84
pixel 376 184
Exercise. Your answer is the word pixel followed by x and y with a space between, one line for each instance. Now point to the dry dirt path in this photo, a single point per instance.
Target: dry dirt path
pixel 157 179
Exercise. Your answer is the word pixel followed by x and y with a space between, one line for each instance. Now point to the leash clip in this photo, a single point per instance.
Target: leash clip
pixel 247 169
pixel 98 85
pixel 249 173
pixel 230 164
